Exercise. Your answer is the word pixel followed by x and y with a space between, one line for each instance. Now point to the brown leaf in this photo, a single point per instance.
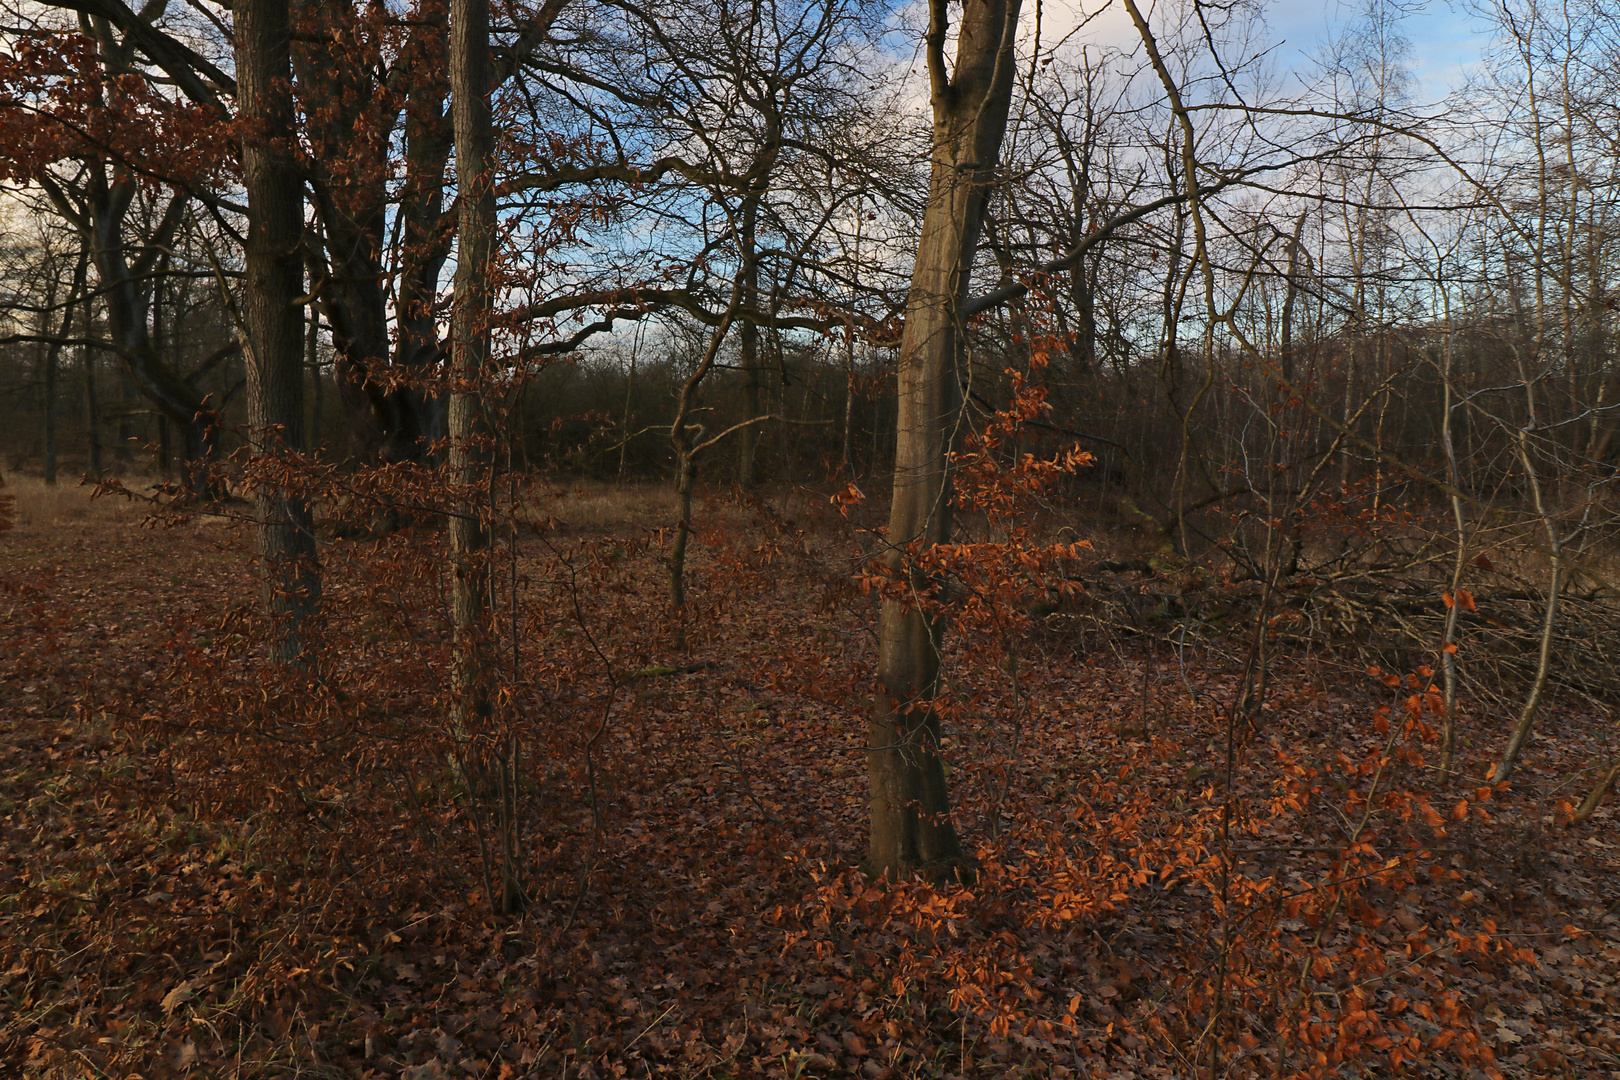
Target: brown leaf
pixel 177 997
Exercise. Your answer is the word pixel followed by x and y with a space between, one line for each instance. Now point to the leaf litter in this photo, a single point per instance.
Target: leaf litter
pixel 1136 909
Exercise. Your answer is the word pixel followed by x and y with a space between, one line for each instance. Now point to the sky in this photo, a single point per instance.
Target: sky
pixel 1446 40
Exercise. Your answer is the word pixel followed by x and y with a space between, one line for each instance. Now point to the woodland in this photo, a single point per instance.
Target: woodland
pixel 807 538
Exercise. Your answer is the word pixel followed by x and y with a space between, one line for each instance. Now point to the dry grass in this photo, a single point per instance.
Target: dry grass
pixel 41 507
pixel 587 507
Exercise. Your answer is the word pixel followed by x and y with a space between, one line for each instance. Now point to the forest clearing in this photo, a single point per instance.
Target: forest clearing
pixel 194 892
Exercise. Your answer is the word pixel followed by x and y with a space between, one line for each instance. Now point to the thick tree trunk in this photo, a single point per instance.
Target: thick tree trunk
pixel 273 349
pixel 911 825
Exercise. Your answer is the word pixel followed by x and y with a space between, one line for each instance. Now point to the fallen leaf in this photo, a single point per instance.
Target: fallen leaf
pixel 177 997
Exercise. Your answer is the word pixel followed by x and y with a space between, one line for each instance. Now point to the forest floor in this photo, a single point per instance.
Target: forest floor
pixel 1157 891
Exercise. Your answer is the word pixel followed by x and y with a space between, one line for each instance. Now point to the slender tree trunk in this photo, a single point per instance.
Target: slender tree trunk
pixel 1291 298
pixel 50 417
pixel 685 481
pixel 470 342
pixel 92 404
pixel 1594 798
pixel 911 824
pixel 849 401
pixel 165 447
pixel 1295 536
pixel 273 331
pixel 126 431
pixel 688 442
pixel 1549 622
pixel 748 437
pixel 629 391
pixel 849 352
pixel 48 363
pixel 53 355
pixel 489 763
pixel 1448 643
pixel 312 364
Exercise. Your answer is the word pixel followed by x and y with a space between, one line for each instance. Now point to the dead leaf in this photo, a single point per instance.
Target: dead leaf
pixel 183 1056
pixel 177 997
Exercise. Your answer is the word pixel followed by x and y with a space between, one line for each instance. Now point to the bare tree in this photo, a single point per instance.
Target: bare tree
pixel 911 824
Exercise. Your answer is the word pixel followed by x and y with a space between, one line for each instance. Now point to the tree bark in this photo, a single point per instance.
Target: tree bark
pixel 312 365
pixel 685 482
pixel 489 764
pixel 748 437
pixel 470 342
pixel 92 403
pixel 426 243
pixel 53 353
pixel 911 825
pixel 273 321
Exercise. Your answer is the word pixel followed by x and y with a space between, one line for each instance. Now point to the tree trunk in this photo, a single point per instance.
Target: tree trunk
pixel 488 763
pixel 426 243
pixel 50 415
pixel 1594 798
pixel 53 355
pixel 126 406
pixel 470 340
pixel 165 448
pixel 911 825
pixel 273 330
pixel 849 351
pixel 849 401
pixel 312 364
pixel 92 404
pixel 748 437
pixel 685 481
